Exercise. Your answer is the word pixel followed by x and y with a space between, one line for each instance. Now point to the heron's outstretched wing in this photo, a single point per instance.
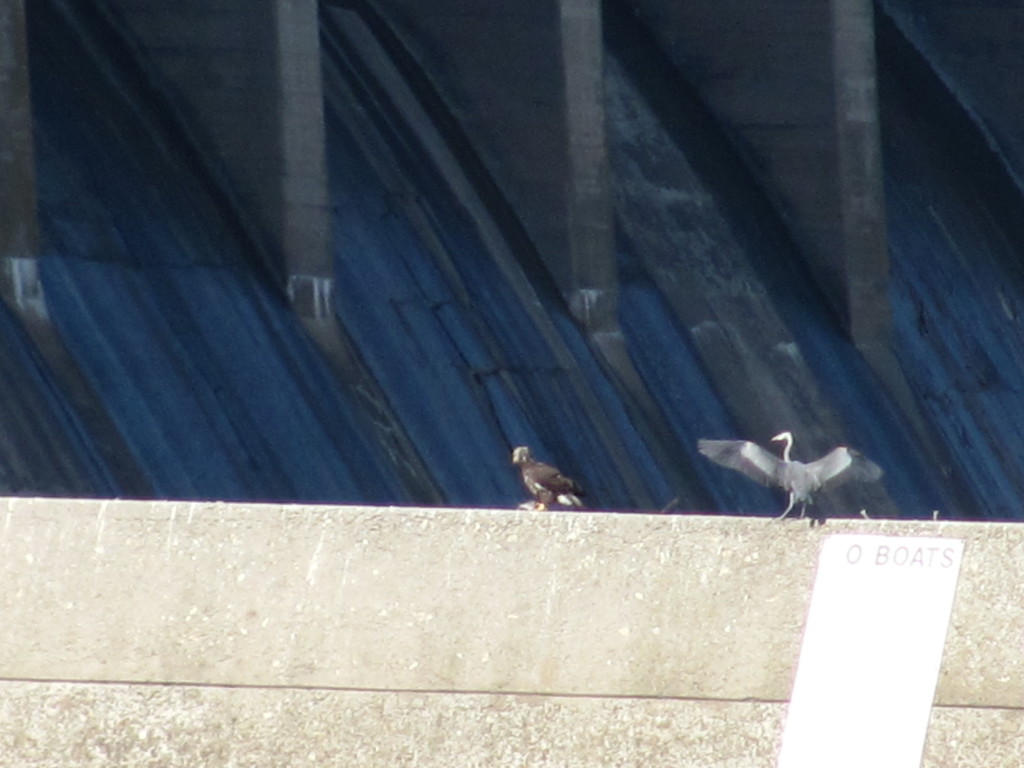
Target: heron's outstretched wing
pixel 744 456
pixel 843 464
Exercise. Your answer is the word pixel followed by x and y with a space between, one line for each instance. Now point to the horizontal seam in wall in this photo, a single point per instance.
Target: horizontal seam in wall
pixel 403 691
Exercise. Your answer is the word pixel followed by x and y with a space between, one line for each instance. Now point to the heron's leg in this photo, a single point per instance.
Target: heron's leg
pixel 792 500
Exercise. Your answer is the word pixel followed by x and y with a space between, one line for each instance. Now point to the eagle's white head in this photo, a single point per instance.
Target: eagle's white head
pixel 521 455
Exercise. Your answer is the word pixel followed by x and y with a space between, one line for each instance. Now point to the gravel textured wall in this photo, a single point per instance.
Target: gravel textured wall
pixel 256 634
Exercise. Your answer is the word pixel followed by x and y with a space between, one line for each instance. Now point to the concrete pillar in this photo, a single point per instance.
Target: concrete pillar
pixel 863 249
pixel 18 229
pixel 19 232
pixel 525 82
pixel 247 75
pixel 305 229
pixel 797 91
pixel 590 234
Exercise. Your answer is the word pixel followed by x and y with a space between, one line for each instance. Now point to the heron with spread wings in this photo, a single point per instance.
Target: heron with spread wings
pixel 798 479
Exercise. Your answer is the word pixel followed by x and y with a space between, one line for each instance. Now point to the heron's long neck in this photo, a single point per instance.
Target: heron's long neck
pixel 787 448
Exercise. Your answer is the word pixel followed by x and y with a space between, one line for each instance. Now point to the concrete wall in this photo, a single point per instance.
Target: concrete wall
pixel 188 633
pixel 796 88
pixel 248 78
pixel 975 49
pixel 525 82
pixel 797 91
pixel 526 85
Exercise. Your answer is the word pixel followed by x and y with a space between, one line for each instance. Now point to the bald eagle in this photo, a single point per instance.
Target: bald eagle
pixel 545 483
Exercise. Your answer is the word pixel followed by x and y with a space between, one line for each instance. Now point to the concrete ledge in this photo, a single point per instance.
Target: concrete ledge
pixel 455 600
pixel 487 623
pixel 411 599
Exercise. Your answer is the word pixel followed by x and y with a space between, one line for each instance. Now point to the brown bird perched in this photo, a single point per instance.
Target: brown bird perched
pixel 545 483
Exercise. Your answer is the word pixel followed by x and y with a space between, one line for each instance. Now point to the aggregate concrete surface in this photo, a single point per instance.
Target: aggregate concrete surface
pixel 166 633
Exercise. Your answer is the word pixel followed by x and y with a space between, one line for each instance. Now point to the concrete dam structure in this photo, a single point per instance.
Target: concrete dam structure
pixel 357 251
pixel 284 282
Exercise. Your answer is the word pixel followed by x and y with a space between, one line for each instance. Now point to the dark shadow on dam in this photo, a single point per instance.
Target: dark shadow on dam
pixel 955 235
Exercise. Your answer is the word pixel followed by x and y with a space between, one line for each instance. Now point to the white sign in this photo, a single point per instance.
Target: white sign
pixel 871 652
